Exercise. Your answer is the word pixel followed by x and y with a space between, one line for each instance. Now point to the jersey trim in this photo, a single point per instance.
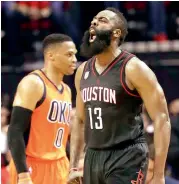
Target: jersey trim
pixel 93 61
pixel 60 91
pixel 122 78
pixel 113 63
pixel 118 58
pixel 44 92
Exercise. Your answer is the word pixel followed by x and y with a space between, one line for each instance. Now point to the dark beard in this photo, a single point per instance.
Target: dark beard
pixel 102 41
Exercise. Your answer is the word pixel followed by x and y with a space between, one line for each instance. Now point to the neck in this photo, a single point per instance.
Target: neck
pixel 53 74
pixel 108 56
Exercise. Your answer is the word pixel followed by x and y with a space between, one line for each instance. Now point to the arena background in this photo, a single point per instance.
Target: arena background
pixel 153 37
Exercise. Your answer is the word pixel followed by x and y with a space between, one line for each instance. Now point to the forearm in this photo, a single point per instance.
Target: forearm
pixel 161 140
pixel 20 121
pixel 76 142
pixel 17 147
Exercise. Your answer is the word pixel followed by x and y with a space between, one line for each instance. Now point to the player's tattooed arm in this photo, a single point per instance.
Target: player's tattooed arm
pixel 29 92
pixel 77 130
pixel 141 77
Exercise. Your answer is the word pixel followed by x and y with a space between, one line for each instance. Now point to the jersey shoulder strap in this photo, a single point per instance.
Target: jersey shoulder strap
pixel 38 74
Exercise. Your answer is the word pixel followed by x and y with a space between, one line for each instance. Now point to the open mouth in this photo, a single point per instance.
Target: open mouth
pixel 92 35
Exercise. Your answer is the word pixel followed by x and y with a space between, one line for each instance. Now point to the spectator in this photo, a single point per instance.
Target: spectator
pixel 4 118
pixel 114 4
pixel 173 153
pixel 30 22
pixel 157 18
pixel 4 150
pixel 174 107
pixel 67 14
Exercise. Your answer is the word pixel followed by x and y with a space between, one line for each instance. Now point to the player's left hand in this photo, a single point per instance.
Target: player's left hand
pixel 158 180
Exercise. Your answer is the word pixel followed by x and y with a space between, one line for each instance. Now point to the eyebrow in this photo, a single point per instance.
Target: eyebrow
pixel 101 17
pixel 70 51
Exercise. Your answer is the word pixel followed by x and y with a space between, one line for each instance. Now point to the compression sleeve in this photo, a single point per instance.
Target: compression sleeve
pixel 19 123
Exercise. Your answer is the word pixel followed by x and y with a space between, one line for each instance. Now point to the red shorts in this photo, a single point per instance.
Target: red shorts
pixel 44 172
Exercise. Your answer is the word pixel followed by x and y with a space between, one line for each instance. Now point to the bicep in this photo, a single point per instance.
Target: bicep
pixel 28 93
pixel 145 82
pixel 154 100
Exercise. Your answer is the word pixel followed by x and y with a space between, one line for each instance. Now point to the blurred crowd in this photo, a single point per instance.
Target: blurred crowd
pixel 26 23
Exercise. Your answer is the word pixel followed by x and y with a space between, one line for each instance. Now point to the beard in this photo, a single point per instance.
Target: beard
pixel 100 44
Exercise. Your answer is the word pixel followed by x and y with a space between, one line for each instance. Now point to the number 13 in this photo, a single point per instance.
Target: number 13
pixel 97 124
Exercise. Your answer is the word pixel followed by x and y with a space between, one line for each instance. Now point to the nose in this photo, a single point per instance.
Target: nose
pixel 74 59
pixel 94 22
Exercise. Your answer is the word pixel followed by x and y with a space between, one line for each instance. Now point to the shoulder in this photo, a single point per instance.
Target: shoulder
pixel 140 75
pixel 30 85
pixel 137 68
pixel 82 66
pixel 29 91
pixel 31 82
pixel 79 74
pixel 80 70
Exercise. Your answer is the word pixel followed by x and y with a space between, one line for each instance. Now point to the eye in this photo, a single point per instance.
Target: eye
pixel 69 54
pixel 102 20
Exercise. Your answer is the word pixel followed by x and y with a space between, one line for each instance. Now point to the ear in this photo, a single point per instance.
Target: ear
pixel 50 56
pixel 117 33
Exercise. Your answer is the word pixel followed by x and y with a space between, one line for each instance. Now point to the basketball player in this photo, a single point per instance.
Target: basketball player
pixel 111 86
pixel 40 118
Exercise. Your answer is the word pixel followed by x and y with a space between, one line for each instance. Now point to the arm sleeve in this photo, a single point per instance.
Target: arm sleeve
pixel 19 123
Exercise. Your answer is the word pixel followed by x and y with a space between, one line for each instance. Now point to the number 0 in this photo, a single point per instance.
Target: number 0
pixel 59 138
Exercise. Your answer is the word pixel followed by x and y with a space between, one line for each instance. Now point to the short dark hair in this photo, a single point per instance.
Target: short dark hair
pixel 54 39
pixel 122 24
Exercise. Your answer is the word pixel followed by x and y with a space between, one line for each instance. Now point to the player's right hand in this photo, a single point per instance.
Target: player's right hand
pixel 24 178
pixel 75 177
